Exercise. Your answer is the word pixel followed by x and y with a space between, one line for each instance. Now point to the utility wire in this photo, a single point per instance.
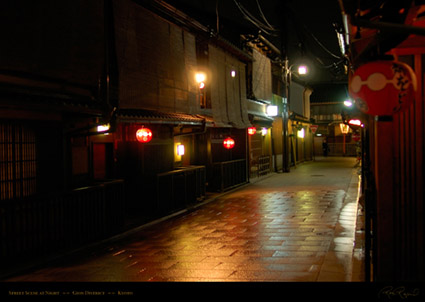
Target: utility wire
pixel 323 46
pixel 217 17
pixel 264 17
pixel 306 29
pixel 257 23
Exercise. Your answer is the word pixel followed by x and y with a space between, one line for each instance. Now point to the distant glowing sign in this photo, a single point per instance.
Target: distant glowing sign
pixel 144 135
pixel 356 123
pixel 229 143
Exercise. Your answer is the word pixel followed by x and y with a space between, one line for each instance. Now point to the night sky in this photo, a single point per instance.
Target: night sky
pixel 311 33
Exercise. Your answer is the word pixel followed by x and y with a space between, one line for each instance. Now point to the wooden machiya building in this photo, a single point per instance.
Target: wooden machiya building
pixel 393 140
pixel 56 87
pixel 105 120
pixel 188 88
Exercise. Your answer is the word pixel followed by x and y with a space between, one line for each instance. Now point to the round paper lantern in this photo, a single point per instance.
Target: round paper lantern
pixel 383 87
pixel 144 135
pixel 229 143
pixel 252 130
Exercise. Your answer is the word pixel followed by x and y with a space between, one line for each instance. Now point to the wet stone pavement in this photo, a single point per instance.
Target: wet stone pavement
pixel 297 226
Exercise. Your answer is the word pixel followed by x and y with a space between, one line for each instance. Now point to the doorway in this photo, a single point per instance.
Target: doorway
pixel 102 159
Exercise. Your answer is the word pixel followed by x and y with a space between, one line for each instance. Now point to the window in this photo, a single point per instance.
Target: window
pixel 17 161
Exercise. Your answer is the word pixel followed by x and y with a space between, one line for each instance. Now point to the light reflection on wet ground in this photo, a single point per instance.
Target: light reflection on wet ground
pixel 283 228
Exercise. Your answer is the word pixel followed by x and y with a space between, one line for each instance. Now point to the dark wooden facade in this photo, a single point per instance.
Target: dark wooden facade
pixel 57 83
pixel 393 161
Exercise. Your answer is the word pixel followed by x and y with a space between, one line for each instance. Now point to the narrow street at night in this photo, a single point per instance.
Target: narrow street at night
pixel 148 146
pixel 305 225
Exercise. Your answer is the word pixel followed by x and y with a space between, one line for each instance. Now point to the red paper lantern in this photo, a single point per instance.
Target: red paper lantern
pixel 383 87
pixel 144 135
pixel 252 130
pixel 228 143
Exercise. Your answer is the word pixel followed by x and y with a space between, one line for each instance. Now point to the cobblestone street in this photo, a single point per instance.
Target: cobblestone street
pixel 297 226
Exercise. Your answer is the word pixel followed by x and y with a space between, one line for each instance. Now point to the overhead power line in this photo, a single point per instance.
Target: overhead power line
pixel 269 30
pixel 264 17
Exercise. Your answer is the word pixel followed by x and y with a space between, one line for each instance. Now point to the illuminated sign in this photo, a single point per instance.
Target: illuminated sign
pixel 272 110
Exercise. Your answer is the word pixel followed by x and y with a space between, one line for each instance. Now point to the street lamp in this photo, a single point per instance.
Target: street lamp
pixel 348 103
pixel 302 70
pixel 344 129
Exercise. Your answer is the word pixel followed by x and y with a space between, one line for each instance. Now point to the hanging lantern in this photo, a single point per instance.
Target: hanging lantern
pixel 252 130
pixel 144 135
pixel 383 87
pixel 344 128
pixel 229 143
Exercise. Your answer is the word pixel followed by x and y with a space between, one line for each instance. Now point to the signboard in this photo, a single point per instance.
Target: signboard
pixel 355 137
pixel 313 128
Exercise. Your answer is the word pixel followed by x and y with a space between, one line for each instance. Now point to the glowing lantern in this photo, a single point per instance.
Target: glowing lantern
pixel 103 128
pixel 383 87
pixel 180 150
pixel 252 130
pixel 344 128
pixel 228 143
pixel 301 133
pixel 200 78
pixel 144 135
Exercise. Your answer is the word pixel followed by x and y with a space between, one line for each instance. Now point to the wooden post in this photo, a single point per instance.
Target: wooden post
pixel 384 233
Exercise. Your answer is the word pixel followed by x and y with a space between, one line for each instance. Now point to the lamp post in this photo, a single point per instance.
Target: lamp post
pixel 287 77
pixel 285 119
pixel 344 129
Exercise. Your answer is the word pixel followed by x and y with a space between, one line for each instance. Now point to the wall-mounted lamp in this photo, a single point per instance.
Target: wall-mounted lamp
pixel 272 110
pixel 103 128
pixel 301 133
pixel 200 78
pixel 180 150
